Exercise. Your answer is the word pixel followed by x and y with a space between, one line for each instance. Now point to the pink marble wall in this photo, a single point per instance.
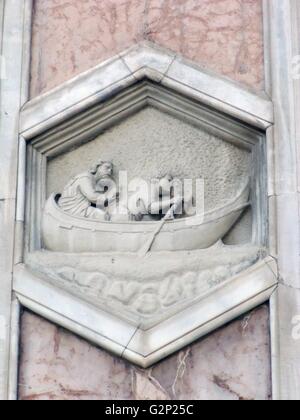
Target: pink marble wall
pixel 231 364
pixel 71 36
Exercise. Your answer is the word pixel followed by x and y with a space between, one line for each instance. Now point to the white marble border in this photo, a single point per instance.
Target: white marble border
pixel 156 64
pixel 15 47
pixel 145 347
pixel 282 44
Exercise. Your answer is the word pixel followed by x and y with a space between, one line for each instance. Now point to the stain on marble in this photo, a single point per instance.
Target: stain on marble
pixel 231 364
pixel 72 36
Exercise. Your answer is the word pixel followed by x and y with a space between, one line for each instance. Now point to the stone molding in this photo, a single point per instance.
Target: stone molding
pixel 282 35
pixel 144 61
pixel 145 347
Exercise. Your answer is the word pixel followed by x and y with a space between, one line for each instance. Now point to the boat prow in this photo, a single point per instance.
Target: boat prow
pixel 63 232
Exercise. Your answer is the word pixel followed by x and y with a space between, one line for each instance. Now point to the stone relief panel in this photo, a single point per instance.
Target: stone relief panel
pixel 177 148
pixel 230 364
pixel 81 217
pixel 142 208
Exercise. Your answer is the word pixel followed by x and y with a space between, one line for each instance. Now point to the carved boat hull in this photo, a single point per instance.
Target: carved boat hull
pixel 63 232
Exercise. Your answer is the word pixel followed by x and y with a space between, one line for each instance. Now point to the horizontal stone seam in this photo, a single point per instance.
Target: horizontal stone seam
pixel 126 65
pixel 282 194
pixel 7 199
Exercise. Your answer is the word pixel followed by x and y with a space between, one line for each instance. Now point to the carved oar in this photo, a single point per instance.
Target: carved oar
pixel 148 245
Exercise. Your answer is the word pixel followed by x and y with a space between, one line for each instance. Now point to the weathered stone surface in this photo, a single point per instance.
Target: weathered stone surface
pixel 231 364
pixel 71 37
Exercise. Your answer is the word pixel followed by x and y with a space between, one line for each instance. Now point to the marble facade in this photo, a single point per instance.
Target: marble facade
pixel 244 41
pixel 231 364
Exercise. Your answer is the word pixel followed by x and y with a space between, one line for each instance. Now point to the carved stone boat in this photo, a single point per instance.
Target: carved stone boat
pixel 63 232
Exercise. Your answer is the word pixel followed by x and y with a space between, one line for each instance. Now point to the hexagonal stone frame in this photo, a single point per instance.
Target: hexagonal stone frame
pixel 81 109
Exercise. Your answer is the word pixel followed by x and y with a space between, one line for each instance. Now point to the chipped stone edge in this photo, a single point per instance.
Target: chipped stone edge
pixel 146 347
pixel 282 36
pixel 142 61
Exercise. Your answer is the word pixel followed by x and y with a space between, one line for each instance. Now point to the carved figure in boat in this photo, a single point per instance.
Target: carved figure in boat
pixel 89 217
pixel 93 194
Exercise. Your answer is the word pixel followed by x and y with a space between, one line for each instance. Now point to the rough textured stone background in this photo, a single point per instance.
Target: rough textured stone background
pixel 151 144
pixel 231 364
pixel 71 36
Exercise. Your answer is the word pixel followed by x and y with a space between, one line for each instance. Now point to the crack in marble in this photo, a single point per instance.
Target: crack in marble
pixel 145 25
pixel 223 384
pixel 246 321
pixel 82 371
pixel 281 282
pixel 181 369
pixel 170 65
pixel 131 338
pixel 61 393
pixel 145 384
pixel 276 275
